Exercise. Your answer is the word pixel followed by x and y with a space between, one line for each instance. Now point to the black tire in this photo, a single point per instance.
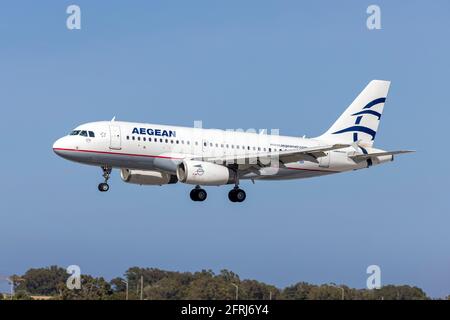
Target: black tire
pixel 201 195
pixel 240 195
pixel 193 194
pixel 103 187
pixel 232 195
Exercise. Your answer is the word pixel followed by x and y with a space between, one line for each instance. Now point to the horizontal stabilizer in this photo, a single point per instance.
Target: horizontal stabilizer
pixel 362 157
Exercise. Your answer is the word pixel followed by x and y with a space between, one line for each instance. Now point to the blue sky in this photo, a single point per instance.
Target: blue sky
pixel 232 64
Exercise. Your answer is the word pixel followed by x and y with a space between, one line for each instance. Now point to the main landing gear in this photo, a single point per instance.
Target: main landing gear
pixel 104 186
pixel 236 194
pixel 198 194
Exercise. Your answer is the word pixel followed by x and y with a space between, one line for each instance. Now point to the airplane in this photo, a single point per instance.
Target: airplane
pixel 152 154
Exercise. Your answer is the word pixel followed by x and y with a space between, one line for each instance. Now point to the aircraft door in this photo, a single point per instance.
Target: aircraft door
pixel 115 142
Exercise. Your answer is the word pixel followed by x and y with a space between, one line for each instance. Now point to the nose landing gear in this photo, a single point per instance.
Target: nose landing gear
pixel 104 186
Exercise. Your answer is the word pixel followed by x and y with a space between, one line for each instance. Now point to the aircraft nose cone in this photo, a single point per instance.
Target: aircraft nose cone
pixel 58 146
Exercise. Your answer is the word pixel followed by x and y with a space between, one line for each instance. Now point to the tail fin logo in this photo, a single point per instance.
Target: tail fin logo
pixel 366 111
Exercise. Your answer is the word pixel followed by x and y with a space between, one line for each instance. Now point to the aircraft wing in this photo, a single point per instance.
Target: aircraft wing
pixel 362 157
pixel 307 154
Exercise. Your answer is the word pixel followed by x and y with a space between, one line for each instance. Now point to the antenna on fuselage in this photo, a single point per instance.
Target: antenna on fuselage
pixel 113 119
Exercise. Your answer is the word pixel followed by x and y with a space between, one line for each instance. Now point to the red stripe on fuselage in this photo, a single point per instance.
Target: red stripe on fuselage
pixel 116 153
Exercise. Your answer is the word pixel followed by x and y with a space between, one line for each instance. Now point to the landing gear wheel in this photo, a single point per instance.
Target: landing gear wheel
pixel 232 195
pixel 193 194
pixel 240 195
pixel 201 195
pixel 103 187
pixel 198 194
pixel 237 195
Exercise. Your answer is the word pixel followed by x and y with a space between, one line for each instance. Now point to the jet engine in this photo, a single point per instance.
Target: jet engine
pixel 204 173
pixel 144 177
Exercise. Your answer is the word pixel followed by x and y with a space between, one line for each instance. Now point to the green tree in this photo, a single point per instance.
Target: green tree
pixel 255 290
pixel 299 291
pixel 170 288
pixel 22 295
pixel 91 289
pixel 169 285
pixel 325 292
pixel 206 285
pixel 118 284
pixel 391 292
pixel 42 281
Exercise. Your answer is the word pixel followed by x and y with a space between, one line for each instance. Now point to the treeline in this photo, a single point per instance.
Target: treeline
pixel 154 284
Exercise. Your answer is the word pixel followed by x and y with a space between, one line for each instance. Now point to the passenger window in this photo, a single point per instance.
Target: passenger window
pixel 161 140
pixel 145 139
pixel 83 133
pixel 149 139
pixel 91 134
pixel 133 137
pixel 139 138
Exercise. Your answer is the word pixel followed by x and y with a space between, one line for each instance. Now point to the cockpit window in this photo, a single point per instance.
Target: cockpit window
pixel 83 133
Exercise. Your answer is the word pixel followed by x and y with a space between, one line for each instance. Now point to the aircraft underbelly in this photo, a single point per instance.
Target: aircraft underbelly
pixel 149 163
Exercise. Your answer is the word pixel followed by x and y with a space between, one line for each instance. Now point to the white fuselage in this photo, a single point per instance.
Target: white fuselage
pixel 142 146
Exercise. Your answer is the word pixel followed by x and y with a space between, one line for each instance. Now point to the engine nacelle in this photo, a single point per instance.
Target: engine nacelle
pixel 143 177
pixel 204 173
